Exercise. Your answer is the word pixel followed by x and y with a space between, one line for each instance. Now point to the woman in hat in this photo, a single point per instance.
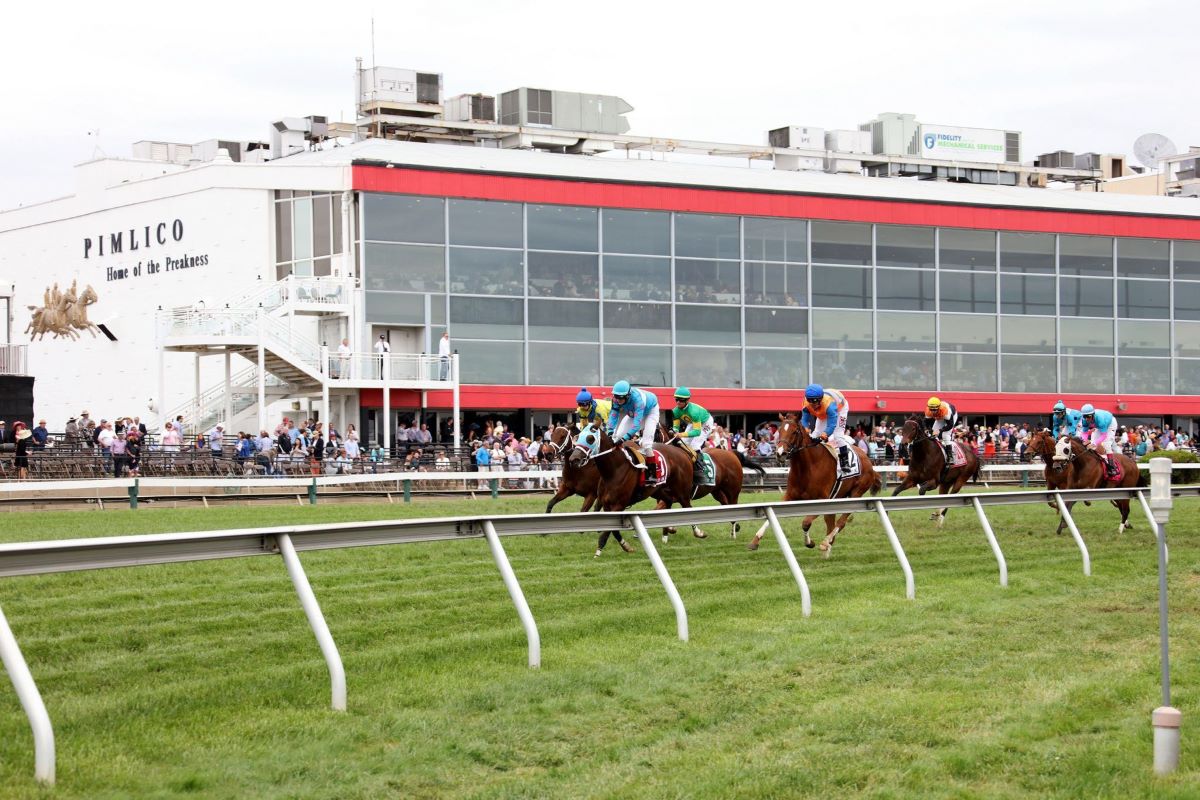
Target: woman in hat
pixel 23 437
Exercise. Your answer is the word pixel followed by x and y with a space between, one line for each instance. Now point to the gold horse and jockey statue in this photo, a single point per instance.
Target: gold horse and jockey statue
pixel 63 313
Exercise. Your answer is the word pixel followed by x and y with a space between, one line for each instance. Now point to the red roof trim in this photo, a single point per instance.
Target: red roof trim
pixel 606 194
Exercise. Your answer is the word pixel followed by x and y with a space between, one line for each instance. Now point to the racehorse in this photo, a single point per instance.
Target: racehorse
pixel 927 462
pixel 622 484
pixel 1087 469
pixel 813 476
pixel 77 316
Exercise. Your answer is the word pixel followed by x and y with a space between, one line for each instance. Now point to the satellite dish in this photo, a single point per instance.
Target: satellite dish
pixel 1150 148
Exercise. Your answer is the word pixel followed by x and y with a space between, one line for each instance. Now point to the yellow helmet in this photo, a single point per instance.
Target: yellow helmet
pixel 934 404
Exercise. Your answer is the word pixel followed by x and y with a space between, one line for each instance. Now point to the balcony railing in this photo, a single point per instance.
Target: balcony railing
pixel 14 359
pixel 392 367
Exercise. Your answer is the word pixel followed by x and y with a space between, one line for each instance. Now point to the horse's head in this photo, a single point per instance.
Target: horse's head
pixel 89 296
pixel 587 445
pixel 911 429
pixel 1042 443
pixel 792 435
pixel 560 441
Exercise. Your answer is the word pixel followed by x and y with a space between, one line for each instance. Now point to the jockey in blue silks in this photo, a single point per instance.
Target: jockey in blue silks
pixel 1064 421
pixel 1100 433
pixel 825 413
pixel 633 411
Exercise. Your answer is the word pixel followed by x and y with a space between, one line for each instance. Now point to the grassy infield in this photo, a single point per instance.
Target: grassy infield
pixel 204 679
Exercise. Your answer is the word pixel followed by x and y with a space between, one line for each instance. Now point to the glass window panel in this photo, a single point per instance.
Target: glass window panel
pixel 1085 255
pixel 283 232
pixel 970 333
pixel 708 366
pixel 486 271
pixel 485 318
pixel 486 223
pixel 707 281
pixel 558 364
pixel 322 226
pixel 1086 375
pixel 776 369
pixel 402 218
pixel 336 214
pixel 1187 376
pixel 322 267
pixel 777 327
pixel 563 228
pixel 1187 339
pixel 1086 337
pixel 283 193
pixel 1187 260
pixel 706 236
pixel 1027 294
pixel 1028 373
pixel 904 331
pixel 841 329
pixel 1135 338
pixel 903 246
pixel 437 311
pixel 776 284
pixel 906 370
pixel 1144 375
pixel 904 289
pixel 968 372
pixel 841 243
pixel 1027 252
pixel 966 291
pixel 301 269
pixel 563 275
pixel 637 278
pixel 1143 257
pixel 491 362
pixel 405 267
pixel 708 325
pixel 641 366
pixel 645 232
pixel 639 323
pixel 1187 300
pixel 776 239
pixel 302 232
pixel 1085 297
pixel 564 321
pixel 841 287
pixel 1027 335
pixel 961 249
pixel 1149 299
pixel 844 369
pixel 389 308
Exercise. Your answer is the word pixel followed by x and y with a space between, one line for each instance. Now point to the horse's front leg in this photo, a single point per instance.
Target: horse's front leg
pixel 562 494
pixel 831 532
pixel 939 516
pixel 699 534
pixel 603 540
pixel 904 485
pixel 805 525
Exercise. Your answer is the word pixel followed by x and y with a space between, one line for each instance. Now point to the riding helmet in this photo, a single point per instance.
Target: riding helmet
pixel 1060 407
pixel 584 397
pixel 814 391
pixel 1087 410
pixel 683 393
pixel 620 389
pixel 934 403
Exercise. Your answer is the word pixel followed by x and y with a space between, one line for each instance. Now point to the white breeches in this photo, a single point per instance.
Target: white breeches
pixel 943 430
pixel 706 431
pixel 646 442
pixel 1106 440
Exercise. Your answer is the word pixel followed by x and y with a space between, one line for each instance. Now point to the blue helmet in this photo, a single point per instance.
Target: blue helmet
pixel 815 391
pixel 1087 410
pixel 584 397
pixel 1060 407
pixel 620 390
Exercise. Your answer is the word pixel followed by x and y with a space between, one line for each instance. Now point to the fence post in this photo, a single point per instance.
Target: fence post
pixel 910 589
pixel 991 537
pixel 31 701
pixel 316 621
pixel 1066 514
pixel 312 492
pixel 1165 719
pixel 514 592
pixel 681 623
pixel 495 484
pixel 133 495
pixel 790 558
pixel 1024 479
pixel 408 491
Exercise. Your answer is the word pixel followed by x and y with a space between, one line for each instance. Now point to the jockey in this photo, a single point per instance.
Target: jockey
pixel 1064 421
pixel 692 423
pixel 590 411
pixel 940 418
pixel 1100 428
pixel 830 407
pixel 633 411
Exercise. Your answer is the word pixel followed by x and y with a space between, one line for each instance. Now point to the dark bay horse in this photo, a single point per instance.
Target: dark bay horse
pixel 621 485
pixel 576 479
pixel 927 462
pixel 813 476
pixel 1086 469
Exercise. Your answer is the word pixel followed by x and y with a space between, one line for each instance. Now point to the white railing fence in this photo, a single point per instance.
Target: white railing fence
pixel 33 558
pixel 14 359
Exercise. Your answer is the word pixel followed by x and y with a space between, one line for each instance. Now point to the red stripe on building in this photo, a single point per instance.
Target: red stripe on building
pixel 771 401
pixel 580 192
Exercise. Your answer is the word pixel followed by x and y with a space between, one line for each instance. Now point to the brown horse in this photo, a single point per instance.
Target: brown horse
pixel 813 476
pixel 1086 469
pixel 621 485
pixel 1041 444
pixel 576 480
pixel 927 465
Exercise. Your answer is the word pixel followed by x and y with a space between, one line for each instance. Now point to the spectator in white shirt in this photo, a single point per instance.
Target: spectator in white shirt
pixel 444 355
pixel 343 359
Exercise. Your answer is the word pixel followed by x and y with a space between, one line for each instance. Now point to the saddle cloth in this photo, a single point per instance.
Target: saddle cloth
pixel 960 458
pixel 1120 473
pixel 662 471
pixel 855 466
pixel 708 470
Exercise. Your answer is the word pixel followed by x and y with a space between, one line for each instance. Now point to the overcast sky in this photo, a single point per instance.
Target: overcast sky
pixel 1080 76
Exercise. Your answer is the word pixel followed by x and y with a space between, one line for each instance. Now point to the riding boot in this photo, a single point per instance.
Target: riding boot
pixel 697 470
pixel 844 458
pixel 1110 464
pixel 949 454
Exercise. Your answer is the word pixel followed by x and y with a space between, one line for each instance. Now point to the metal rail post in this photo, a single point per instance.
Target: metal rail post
pixel 790 557
pixel 312 492
pixel 31 701
pixel 514 591
pixel 1062 509
pixel 991 537
pixel 681 623
pixel 1165 719
pixel 910 588
pixel 312 610
pixel 1150 516
pixel 133 494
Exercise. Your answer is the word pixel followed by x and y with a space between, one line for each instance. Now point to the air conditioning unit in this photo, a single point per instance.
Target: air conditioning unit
pixel 1059 159
pixel 795 136
pixel 471 108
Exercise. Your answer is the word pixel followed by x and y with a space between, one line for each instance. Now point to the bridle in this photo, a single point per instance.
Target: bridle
pixel 588 455
pixel 796 448
pixel 568 441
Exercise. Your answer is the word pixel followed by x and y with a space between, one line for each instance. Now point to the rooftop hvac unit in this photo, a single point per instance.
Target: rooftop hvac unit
pixel 567 111
pixel 1059 159
pixel 471 108
pixel 794 136
pixel 392 85
pixel 1087 161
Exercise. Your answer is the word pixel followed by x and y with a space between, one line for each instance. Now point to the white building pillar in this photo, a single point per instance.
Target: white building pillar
pixel 228 389
pixel 387 405
pixel 454 378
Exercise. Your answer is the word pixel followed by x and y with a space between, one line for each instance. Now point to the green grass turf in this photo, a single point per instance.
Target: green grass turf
pixel 203 680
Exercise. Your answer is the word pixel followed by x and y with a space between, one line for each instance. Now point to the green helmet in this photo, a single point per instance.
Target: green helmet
pixel 683 393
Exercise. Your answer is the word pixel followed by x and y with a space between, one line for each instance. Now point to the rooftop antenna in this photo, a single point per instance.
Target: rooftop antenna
pixel 1151 148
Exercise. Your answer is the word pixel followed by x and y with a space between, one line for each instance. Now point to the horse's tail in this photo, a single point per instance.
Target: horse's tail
pixel 750 464
pixel 876 483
